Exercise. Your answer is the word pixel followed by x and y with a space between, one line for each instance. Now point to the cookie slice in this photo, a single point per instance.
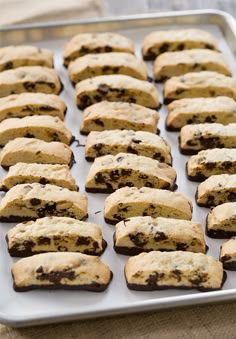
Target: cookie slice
pixel 118 115
pixel 171 64
pixel 196 85
pixel 91 65
pixel 18 56
pixel 136 142
pixel 144 234
pixel 200 110
pixel 110 172
pixel 158 42
pixel 32 201
pixel 194 138
pixel 23 173
pixel 85 43
pixel 29 79
pixel 44 127
pixel 221 221
pixel 55 234
pixel 66 270
pixel 129 202
pixel 211 162
pixel 163 270
pixel 26 104
pixel 35 151
pixel 217 190
pixel 116 88
pixel 228 254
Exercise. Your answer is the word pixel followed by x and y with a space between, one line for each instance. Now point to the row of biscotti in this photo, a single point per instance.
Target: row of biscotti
pixel 89 54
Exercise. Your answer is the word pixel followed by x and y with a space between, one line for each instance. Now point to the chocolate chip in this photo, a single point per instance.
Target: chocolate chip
pixel 99 178
pixel 46 108
pixel 85 101
pixel 132 100
pixel 180 47
pixel 115 174
pixel 159 157
pixel 154 278
pixel 44 241
pixel 98 98
pixel 55 277
pixel 143 176
pixel 29 135
pixel 138 239
pixel 84 50
pixel 210 118
pixel 227 165
pixel 44 181
pixel 179 91
pixel 29 86
pixel 99 122
pixel 126 172
pixel 208 46
pixel 108 48
pixel 202 277
pixel 35 201
pixel 231 196
pixel 148 184
pixel 116 69
pixel 164 47
pixel 181 246
pixel 98 147
pixel 212 93
pixel 196 65
pixel 159 236
pixel 119 159
pixel 210 165
pixel 106 68
pixel 8 65
pixel 177 273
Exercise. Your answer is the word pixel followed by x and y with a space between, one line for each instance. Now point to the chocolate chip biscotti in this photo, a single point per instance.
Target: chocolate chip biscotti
pixel 17 56
pixel 158 42
pixel 29 79
pixel 136 142
pixel 85 43
pixel 119 115
pixel 30 150
pixel 129 202
pixel 110 172
pixel 217 190
pixel 32 201
pixel 144 234
pixel 221 221
pixel 171 64
pixel 23 173
pixel 66 270
pixel 211 162
pixel 116 88
pixel 228 254
pixel 44 127
pixel 199 85
pixel 200 110
pixel 163 270
pixel 26 104
pixel 55 234
pixel 194 138
pixel 92 65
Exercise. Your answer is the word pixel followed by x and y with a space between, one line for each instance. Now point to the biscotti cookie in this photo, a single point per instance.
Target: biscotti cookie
pixel 29 79
pixel 196 85
pixel 66 270
pixel 211 162
pixel 92 65
pixel 23 173
pixel 159 42
pixel 118 115
pixel 221 221
pixel 194 138
pixel 217 190
pixel 30 150
pixel 55 234
pixel 32 201
pixel 43 127
pixel 129 202
pixel 17 56
pixel 136 142
pixel 116 88
pixel 144 234
pixel 85 43
pixel 200 110
pixel 163 270
pixel 110 172
pixel 228 254
pixel 171 64
pixel 26 104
